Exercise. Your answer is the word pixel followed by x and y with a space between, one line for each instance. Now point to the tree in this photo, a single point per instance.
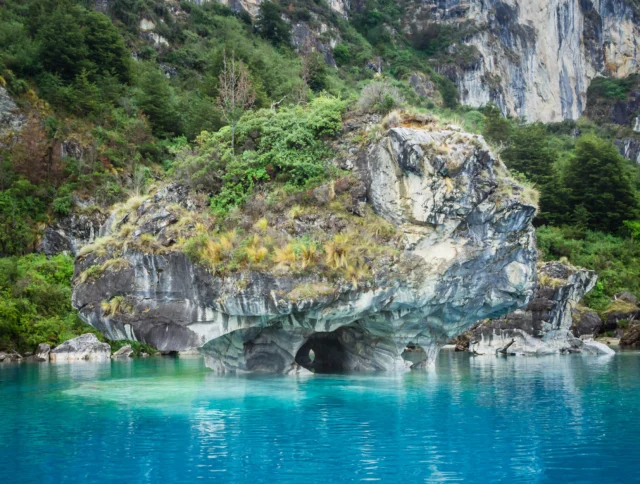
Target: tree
pixel 270 25
pixel 313 73
pixel 598 178
pixel 236 93
pixel 342 55
pixel 497 129
pixel 529 153
pixel 106 49
pixel 158 103
pixel 62 47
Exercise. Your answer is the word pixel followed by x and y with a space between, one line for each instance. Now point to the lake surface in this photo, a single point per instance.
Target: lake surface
pixel 484 419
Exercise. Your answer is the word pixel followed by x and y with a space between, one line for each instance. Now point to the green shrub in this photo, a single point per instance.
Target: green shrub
pixel 137 347
pixel 616 260
pixel 35 302
pixel 287 146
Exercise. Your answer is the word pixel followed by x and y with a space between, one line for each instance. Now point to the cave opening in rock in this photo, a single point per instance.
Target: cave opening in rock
pixel 323 353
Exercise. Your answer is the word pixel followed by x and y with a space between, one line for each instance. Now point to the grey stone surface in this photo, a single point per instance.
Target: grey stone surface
pixel 71 232
pixel 42 352
pixel 586 323
pixel 125 352
pixel 467 252
pixel 9 356
pixel 548 324
pixel 533 59
pixel 11 120
pixel 84 347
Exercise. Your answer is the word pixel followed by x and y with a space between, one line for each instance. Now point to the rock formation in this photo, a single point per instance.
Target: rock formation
pixel 125 352
pixel 548 323
pixel 84 347
pixel 534 59
pixel 42 352
pixel 466 252
pixel 11 120
pixel 70 232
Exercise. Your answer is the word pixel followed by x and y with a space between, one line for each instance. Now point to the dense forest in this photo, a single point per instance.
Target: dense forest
pixel 117 99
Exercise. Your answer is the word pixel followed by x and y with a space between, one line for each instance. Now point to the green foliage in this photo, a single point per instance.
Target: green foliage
pixel 614 89
pixel 35 302
pixel 287 147
pixel 597 299
pixel 158 102
pixel 22 208
pixel 270 25
pixel 615 259
pixel 497 129
pixel 433 38
pixel 598 179
pixel 137 347
pixel 341 54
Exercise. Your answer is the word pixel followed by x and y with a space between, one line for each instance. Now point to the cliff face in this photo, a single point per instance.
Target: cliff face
pixel 536 59
pixel 252 7
pixel 465 251
pixel 550 321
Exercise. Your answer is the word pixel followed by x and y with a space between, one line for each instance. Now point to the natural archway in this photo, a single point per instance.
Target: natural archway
pixel 323 353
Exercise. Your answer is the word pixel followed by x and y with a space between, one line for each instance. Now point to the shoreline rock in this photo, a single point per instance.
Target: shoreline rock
pixel 84 347
pixel 125 352
pixel 546 325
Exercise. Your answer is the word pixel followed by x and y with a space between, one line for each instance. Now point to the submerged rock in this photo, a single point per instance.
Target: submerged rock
pixel 84 347
pixel 465 251
pixel 547 325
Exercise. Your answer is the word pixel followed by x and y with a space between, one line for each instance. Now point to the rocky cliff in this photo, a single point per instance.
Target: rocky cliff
pixel 459 248
pixel 550 323
pixel 533 59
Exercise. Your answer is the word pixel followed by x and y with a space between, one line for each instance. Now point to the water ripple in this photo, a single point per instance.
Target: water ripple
pixel 483 419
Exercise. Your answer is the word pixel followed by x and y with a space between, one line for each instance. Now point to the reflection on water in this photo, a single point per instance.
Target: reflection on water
pixel 478 419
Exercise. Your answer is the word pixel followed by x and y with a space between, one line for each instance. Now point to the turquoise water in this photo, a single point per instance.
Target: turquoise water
pixel 553 419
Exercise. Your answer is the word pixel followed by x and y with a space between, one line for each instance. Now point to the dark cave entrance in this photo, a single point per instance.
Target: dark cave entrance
pixel 330 356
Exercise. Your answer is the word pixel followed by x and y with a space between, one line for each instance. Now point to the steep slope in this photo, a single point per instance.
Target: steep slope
pixel 534 59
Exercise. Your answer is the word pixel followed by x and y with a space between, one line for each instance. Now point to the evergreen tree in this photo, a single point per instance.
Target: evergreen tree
pixel 106 49
pixel 497 129
pixel 529 153
pixel 62 47
pixel 270 25
pixel 157 101
pixel 598 179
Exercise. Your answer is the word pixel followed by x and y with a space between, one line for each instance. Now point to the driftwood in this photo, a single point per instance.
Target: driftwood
pixel 505 351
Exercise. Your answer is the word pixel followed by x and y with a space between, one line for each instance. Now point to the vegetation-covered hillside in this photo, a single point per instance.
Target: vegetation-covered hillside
pixel 117 97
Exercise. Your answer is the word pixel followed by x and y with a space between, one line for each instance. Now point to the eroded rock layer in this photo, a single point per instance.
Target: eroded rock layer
pixel 466 252
pixel 549 323
pixel 534 59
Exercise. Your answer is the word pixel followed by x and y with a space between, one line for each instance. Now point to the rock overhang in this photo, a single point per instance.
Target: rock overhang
pixel 467 253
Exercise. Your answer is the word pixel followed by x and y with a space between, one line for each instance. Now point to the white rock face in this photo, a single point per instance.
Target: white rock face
pixel 252 7
pixel 537 58
pixel 146 25
pixel 468 253
pixel 84 347
pixel 545 326
pixel 11 120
